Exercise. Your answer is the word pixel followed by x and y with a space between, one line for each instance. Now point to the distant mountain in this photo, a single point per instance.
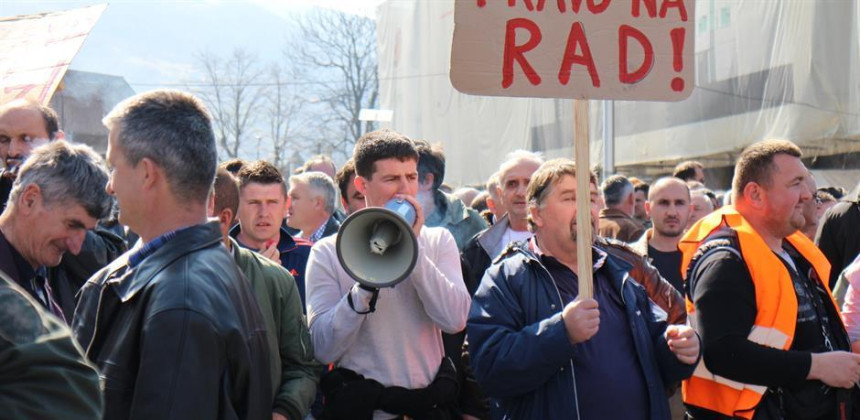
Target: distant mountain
pixel 153 44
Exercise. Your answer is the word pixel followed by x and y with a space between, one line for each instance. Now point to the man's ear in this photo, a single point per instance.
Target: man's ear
pixel 534 211
pixel 648 208
pixel 151 172
pixel 754 194
pixel 427 182
pixel 30 199
pixel 360 184
pixel 59 135
pixel 225 217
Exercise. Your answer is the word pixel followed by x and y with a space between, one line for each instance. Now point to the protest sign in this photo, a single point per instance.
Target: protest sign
pixel 36 50
pixel 579 49
pixel 597 49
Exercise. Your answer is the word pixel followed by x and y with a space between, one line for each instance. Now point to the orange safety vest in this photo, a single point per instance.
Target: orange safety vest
pixel 776 307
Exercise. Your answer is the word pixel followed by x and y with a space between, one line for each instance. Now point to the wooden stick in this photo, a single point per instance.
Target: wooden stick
pixel 583 199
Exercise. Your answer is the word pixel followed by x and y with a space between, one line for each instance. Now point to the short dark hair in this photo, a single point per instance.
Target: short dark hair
pixel 836 192
pixel 479 203
pixel 687 170
pixel 344 177
pixel 226 192
pixel 756 163
pixel 378 145
pixel 233 165
pixel 174 130
pixel 52 121
pixel 260 172
pixel 644 187
pixel 547 176
pixel 431 160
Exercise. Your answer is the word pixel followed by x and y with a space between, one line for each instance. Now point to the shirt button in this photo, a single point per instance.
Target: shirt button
pixel 552 306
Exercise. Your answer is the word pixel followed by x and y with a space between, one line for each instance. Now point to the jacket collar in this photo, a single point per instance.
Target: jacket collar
pixel 613 213
pixel 236 251
pixel 641 244
pixel 454 211
pixel 331 226
pixel 286 242
pixel 185 242
pixel 489 238
pixel 614 268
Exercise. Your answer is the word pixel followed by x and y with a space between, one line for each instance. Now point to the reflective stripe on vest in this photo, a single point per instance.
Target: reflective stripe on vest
pixel 776 307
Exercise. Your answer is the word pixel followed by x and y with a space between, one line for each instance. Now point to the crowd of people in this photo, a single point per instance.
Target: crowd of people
pixel 157 282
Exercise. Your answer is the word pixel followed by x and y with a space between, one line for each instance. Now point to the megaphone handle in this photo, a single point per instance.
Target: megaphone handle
pixel 371 305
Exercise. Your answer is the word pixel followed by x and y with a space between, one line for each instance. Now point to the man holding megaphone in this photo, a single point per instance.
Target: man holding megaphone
pixel 379 316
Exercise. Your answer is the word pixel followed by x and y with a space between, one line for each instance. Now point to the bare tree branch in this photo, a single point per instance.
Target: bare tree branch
pixel 342 48
pixel 232 93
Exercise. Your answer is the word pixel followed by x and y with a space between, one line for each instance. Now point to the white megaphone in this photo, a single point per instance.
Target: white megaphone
pixel 376 245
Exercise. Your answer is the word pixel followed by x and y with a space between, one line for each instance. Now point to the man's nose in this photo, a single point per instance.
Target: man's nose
pixel 521 189
pixel 18 149
pixel 403 186
pixel 76 241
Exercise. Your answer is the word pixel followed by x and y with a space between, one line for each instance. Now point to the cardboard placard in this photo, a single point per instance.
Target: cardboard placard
pixel 597 49
pixel 36 50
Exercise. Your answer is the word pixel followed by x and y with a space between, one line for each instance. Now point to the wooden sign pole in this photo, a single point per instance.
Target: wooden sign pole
pixel 583 199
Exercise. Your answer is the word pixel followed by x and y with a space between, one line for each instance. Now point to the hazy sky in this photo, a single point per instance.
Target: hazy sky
pixel 153 43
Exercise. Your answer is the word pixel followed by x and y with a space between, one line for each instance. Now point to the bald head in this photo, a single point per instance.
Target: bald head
pixel 667 182
pixel 514 176
pixel 669 207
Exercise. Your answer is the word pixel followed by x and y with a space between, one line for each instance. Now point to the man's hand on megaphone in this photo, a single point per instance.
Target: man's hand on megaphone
pixel 362 299
pixel 419 213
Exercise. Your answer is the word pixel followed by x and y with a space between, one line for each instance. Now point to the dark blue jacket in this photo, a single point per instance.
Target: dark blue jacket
pixel 520 352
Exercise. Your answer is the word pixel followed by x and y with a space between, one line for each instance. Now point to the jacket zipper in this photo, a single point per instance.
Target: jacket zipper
pixel 96 322
pixel 561 301
pixel 102 290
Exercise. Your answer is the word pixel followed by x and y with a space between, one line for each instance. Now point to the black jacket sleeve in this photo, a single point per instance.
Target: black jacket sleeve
pixel 724 297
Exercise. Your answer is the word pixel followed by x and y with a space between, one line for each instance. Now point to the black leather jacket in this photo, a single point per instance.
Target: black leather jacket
pixel 179 336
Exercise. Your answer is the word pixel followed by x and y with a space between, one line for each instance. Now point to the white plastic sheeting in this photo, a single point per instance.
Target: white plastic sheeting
pixel 764 69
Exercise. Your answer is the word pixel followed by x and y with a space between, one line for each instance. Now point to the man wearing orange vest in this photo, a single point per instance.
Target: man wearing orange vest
pixel 774 345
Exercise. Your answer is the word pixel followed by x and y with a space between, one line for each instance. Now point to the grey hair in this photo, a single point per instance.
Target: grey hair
pixel 492 184
pixel 174 130
pixel 517 156
pixel 615 189
pixel 321 184
pixel 66 173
